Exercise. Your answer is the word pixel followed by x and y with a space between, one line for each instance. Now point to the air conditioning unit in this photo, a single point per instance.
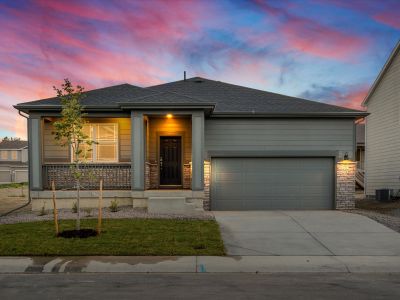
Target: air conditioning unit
pixel 382 195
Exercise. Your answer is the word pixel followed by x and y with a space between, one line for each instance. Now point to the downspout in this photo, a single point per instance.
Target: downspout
pixel 29 182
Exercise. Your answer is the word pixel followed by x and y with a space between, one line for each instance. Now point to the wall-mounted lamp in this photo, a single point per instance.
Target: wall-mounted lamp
pixel 169 116
pixel 346 159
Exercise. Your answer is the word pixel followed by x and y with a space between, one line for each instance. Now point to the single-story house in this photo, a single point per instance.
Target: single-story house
pixel 382 163
pixel 199 144
pixel 13 161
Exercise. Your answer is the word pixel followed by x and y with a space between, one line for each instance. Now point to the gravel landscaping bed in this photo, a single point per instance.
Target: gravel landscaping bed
pixel 393 222
pixel 122 213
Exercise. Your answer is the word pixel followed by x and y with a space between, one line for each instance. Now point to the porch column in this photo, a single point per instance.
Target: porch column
pixel 137 156
pixel 198 151
pixel 35 152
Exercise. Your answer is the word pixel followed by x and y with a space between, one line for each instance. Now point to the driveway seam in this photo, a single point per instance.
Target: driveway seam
pixel 317 240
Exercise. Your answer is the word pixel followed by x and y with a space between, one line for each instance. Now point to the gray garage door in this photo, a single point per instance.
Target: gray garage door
pixel 272 183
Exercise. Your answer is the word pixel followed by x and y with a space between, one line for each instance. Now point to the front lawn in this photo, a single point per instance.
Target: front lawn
pixel 119 237
pixel 13 185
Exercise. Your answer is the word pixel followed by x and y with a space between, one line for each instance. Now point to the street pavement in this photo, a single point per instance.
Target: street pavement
pixel 200 286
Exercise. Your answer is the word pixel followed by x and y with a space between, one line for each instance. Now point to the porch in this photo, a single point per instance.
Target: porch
pixel 141 154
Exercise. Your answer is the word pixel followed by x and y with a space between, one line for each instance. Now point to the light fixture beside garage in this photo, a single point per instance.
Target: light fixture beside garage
pixel 346 159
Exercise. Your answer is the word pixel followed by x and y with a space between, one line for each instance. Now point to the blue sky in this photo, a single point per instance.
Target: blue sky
pixel 324 50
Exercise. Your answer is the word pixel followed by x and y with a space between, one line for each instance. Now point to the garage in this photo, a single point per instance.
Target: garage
pixel 272 183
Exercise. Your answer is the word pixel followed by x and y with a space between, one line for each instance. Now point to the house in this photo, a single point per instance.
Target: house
pixel 199 143
pixel 13 161
pixel 360 154
pixel 382 163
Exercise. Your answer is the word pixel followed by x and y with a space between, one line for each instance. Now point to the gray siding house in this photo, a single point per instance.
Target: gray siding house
pixel 200 144
pixel 382 163
pixel 13 161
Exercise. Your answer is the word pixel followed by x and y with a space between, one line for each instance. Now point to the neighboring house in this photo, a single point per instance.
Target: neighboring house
pixel 360 154
pixel 13 161
pixel 196 143
pixel 382 161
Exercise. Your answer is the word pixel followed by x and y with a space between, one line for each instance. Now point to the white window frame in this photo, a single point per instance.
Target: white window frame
pixel 94 127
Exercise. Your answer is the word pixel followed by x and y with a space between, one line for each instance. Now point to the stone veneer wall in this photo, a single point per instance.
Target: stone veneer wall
pixel 151 176
pixel 345 185
pixel 187 176
pixel 207 179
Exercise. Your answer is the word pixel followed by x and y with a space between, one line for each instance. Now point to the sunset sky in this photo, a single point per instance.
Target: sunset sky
pixel 324 50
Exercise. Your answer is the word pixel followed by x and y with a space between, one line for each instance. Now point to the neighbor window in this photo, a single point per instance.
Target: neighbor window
pixel 14 155
pixel 105 148
pixel 4 154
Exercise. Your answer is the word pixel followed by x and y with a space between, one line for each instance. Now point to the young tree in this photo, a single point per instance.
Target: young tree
pixel 69 131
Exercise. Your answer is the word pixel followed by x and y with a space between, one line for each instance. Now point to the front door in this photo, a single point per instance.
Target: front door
pixel 170 160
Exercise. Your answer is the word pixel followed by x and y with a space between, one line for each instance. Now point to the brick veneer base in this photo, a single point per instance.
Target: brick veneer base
pixel 345 185
pixel 207 175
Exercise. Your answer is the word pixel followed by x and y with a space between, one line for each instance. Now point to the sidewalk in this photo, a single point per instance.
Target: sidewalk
pixel 201 264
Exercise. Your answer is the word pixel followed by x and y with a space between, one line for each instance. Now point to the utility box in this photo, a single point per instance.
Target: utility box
pixel 382 195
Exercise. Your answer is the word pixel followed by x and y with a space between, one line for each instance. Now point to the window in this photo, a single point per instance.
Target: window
pixel 4 155
pixel 14 155
pixel 106 147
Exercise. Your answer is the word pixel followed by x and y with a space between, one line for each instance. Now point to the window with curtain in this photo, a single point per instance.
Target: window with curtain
pixel 4 154
pixel 14 155
pixel 105 148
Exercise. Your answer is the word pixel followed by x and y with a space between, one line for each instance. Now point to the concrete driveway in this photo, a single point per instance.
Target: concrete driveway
pixel 297 233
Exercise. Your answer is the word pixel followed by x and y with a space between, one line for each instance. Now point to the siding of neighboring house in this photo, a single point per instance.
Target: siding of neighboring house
pixel 54 153
pixel 169 127
pixel 382 163
pixel 280 135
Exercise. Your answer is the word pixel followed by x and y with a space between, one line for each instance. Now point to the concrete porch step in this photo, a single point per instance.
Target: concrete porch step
pixel 171 205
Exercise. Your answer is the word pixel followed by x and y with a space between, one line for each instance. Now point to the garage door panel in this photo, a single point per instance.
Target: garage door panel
pixel 272 183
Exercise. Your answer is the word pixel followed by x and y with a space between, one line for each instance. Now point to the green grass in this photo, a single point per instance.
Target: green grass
pixel 12 185
pixel 119 237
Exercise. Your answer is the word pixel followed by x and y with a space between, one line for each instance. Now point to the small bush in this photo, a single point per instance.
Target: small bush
pixel 43 210
pixel 74 207
pixel 114 205
pixel 88 212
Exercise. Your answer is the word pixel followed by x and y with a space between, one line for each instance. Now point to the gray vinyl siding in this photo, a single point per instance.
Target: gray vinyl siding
pixel 382 162
pixel 280 135
pixel 54 153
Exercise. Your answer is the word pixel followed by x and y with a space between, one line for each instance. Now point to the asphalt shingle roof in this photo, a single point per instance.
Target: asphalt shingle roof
pixel 8 144
pixel 228 98
pixel 107 96
pixel 234 98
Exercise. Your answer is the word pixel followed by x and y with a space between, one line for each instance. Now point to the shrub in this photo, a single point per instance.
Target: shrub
pixel 88 212
pixel 114 205
pixel 43 210
pixel 74 207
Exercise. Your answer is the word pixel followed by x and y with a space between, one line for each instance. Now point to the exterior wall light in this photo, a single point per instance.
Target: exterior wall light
pixel 346 159
pixel 169 116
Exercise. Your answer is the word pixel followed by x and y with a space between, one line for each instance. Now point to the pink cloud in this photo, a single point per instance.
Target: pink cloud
pixel 354 97
pixel 390 18
pixel 313 38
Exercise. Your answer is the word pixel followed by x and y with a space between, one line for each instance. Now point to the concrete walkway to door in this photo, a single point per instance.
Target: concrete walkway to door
pixel 298 233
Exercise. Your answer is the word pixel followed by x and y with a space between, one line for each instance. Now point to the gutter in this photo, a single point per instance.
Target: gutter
pixel 291 115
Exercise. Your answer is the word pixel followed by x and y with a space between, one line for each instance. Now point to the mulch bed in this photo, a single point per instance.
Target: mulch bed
pixel 82 234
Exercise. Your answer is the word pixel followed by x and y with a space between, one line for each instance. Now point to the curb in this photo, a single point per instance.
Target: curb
pixel 201 264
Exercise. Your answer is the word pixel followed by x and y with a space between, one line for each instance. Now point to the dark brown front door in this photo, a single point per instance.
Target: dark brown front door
pixel 170 160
